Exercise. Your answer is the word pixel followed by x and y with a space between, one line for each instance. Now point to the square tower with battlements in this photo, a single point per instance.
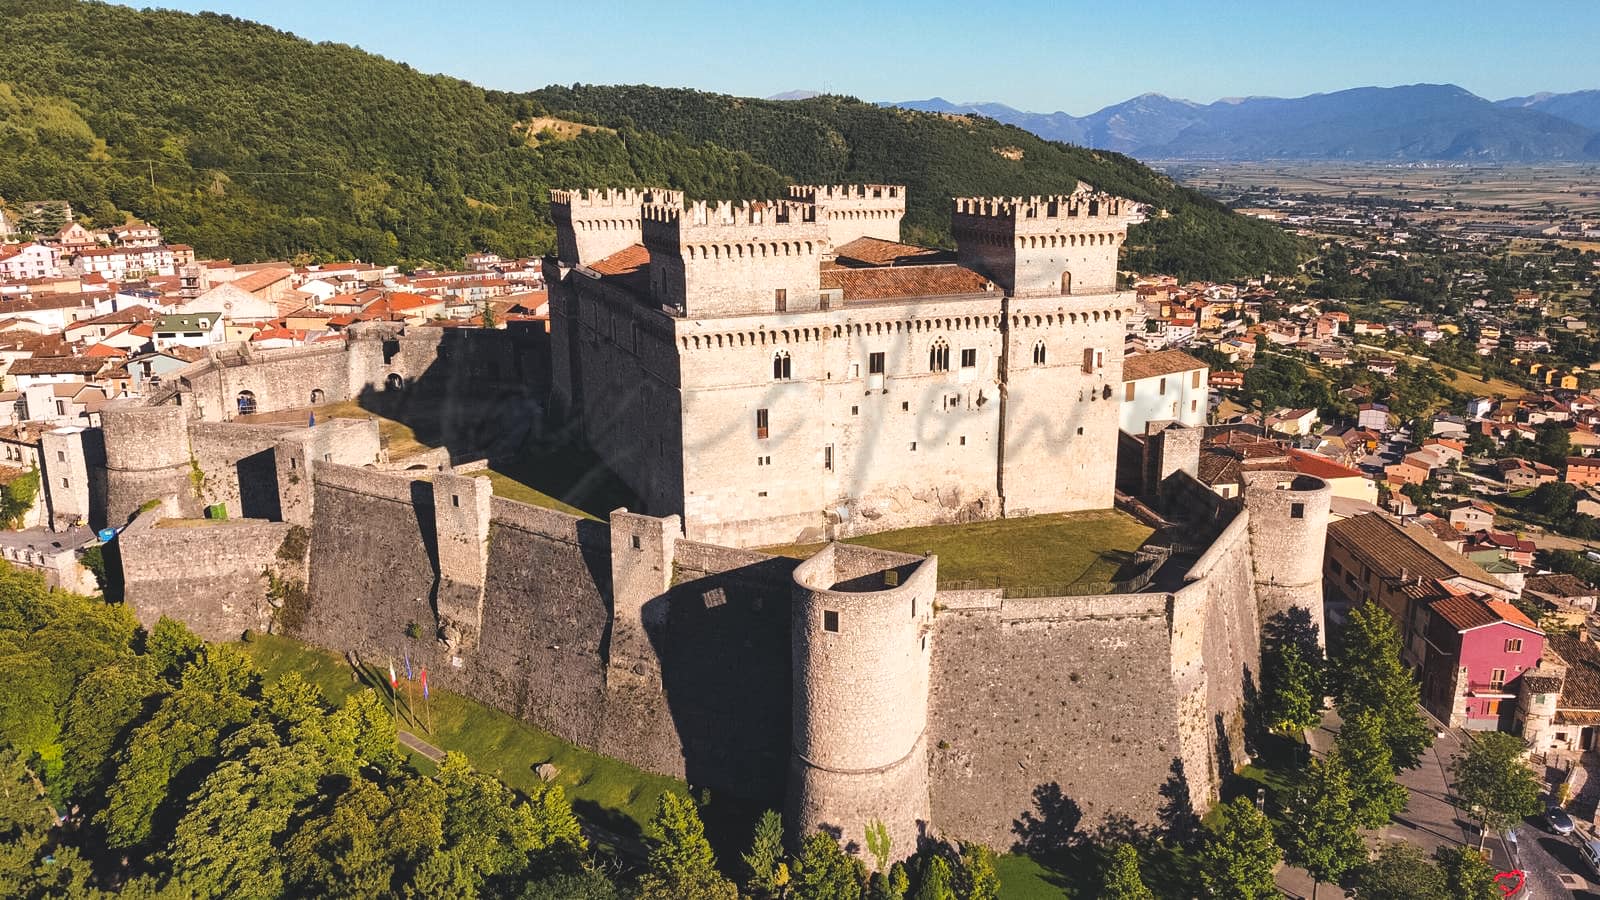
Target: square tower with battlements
pixel 787 371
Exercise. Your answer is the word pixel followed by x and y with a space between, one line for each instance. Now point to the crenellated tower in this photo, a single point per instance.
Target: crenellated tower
pixel 1047 246
pixel 860 636
pixel 719 259
pixel 855 210
pixel 593 224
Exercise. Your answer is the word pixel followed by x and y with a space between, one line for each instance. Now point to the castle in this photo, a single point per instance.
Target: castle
pixel 786 371
pixel 759 373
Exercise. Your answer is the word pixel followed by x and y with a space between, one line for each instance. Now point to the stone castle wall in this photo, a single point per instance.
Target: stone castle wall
pixel 210 576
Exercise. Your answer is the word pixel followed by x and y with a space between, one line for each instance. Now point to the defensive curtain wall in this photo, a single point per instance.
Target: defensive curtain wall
pixel 848 683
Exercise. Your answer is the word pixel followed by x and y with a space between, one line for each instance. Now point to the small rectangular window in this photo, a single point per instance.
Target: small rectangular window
pixel 963 440
pixel 63 482
pixel 61 456
pixel 761 424
pixel 1088 359
pixel 830 620
pixel 827 457
pixel 636 542
pixel 1514 645
pixel 455 499
pixel 1497 678
pixel 761 493
pixel 969 358
pixel 855 410
pixel 1161 387
pixel 875 364
pixel 1127 391
pixel 913 446
pixel 905 406
pixel 1195 380
pixel 780 300
pixel 1297 510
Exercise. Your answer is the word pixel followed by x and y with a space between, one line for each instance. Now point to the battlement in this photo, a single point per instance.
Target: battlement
pixel 1077 205
pixel 628 200
pixel 884 194
pixel 727 213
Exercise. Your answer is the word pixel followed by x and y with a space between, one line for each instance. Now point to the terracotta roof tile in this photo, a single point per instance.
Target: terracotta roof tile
pixel 904 281
pixel 623 262
pixel 1393 550
pixel 1165 362
pixel 871 251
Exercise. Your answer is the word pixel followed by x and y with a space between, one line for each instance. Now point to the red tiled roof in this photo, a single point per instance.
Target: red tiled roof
pixel 1165 362
pixel 1466 611
pixel 624 262
pixel 904 281
pixel 1308 463
pixel 871 251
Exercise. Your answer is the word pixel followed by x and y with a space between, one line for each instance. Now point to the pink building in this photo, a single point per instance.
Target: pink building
pixel 1477 649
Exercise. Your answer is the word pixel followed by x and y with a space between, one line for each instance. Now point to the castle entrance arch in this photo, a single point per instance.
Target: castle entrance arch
pixel 247 403
pixel 1066 283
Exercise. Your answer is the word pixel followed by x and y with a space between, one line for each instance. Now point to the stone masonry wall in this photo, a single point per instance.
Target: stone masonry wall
pixel 209 576
pixel 1039 696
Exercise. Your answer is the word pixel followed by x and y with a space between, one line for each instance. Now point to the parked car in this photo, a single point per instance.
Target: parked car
pixel 1557 820
pixel 1590 850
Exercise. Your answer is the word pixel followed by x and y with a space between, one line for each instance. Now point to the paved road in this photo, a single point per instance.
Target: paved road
pixel 421 746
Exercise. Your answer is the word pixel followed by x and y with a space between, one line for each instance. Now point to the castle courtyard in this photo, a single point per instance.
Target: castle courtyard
pixel 1037 556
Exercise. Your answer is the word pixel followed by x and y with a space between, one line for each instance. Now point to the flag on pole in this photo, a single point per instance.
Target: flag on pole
pixel 424 682
pixel 394 680
pixel 313 422
pixel 408 667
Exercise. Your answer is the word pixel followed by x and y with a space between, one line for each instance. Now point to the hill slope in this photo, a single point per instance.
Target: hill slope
pixel 249 142
pixel 833 139
pixel 1412 122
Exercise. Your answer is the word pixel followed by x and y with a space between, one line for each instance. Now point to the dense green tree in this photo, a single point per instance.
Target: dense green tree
pixel 824 872
pixel 1491 774
pixel 104 707
pixel 893 886
pixel 1321 835
pixel 682 866
pixel 25 821
pixel 976 877
pixel 1375 795
pixel 1122 879
pixel 1553 499
pixel 344 852
pixel 1467 874
pixel 226 844
pixel 1291 700
pixel 1400 872
pixel 1367 674
pixel 171 646
pixel 1238 855
pixel 212 699
pixel 936 880
pixel 768 873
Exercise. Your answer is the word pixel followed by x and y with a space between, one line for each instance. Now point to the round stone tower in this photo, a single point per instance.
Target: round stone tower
pixel 147 458
pixel 861 621
pixel 1288 533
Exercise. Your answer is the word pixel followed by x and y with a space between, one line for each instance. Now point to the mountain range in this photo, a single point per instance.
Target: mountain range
pixel 1418 122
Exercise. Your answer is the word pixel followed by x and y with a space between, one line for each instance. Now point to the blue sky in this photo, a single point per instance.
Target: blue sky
pixel 1067 55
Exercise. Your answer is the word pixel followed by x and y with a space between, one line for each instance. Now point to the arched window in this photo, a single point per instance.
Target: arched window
pixel 394 382
pixel 317 396
pixel 939 356
pixel 1066 283
pixel 780 365
pixel 247 403
pixel 1038 353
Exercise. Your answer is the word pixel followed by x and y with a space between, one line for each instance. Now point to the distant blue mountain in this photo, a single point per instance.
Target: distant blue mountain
pixel 1412 122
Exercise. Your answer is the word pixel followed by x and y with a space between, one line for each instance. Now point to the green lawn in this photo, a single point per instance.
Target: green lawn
pixel 510 488
pixel 605 792
pixel 1034 556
